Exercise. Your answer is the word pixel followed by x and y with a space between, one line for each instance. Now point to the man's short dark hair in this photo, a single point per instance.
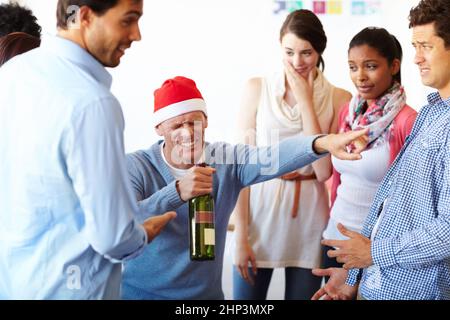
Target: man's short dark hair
pixel 429 11
pixel 15 18
pixel 64 11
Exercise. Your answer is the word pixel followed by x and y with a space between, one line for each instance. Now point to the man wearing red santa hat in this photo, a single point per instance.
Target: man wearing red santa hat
pixel 165 177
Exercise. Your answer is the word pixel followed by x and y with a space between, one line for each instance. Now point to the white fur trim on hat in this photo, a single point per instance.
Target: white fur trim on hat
pixel 177 109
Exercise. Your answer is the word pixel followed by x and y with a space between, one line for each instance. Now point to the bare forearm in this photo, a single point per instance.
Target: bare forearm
pixel 310 122
pixel 241 214
pixel 322 167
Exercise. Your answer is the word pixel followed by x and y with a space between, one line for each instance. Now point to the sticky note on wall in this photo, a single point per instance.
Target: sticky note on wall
pixel 358 7
pixel 319 7
pixel 334 7
pixel 281 6
pixel 373 7
pixel 294 5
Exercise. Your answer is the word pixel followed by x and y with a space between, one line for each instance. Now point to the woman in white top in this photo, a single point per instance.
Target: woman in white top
pixel 374 58
pixel 279 223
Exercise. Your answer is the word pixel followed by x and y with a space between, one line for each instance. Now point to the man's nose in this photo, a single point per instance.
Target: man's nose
pixel 135 33
pixel 418 57
pixel 188 128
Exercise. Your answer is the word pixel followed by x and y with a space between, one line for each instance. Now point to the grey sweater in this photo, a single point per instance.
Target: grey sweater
pixel 164 270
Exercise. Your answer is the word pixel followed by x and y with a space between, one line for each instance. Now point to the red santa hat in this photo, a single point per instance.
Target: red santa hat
pixel 177 96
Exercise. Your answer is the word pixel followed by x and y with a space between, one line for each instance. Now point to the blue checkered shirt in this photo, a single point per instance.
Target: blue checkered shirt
pixel 411 249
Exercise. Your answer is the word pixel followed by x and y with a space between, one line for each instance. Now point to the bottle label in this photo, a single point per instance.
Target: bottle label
pixel 210 237
pixel 204 217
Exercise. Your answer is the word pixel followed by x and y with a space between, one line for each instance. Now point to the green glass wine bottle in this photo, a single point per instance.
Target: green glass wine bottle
pixel 201 228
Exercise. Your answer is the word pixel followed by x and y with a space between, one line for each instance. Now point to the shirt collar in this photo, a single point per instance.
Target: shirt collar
pixel 172 168
pixel 435 98
pixel 73 52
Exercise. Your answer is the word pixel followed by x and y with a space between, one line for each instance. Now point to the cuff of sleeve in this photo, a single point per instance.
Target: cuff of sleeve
pixel 139 236
pixel 382 253
pixel 353 277
pixel 314 138
pixel 173 196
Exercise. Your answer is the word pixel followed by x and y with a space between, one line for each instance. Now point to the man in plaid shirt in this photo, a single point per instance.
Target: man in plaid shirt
pixel 403 251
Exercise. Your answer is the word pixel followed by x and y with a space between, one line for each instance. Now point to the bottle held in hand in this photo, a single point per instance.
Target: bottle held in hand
pixel 201 227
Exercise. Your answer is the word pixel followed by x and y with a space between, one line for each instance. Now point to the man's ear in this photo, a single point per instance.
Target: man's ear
pixel 85 16
pixel 206 121
pixel 159 130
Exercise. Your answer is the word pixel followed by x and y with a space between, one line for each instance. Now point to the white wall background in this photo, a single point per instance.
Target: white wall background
pixel 222 43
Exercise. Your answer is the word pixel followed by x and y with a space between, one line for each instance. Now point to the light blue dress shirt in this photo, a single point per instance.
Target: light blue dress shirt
pixel 411 248
pixel 66 207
